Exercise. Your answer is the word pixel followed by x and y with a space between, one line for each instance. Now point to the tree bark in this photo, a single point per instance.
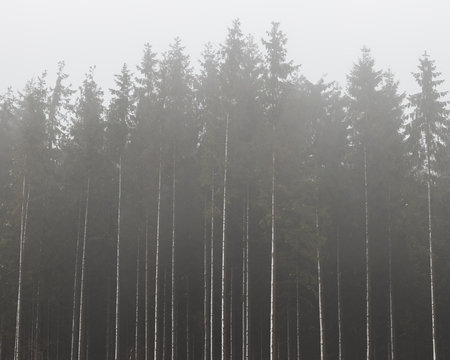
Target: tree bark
pixel 211 296
pixel 116 339
pixel 83 269
pixel 172 301
pixel 224 216
pixel 339 304
pixel 23 227
pixel 158 226
pixel 320 291
pixel 136 325
pixel 366 211
pixel 75 285
pixel 146 334
pixel 272 268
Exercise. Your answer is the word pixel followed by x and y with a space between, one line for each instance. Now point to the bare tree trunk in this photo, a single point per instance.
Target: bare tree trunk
pixel 243 294
pixel 247 277
pixel 224 217
pixel 158 226
pixel 339 305
pixel 83 269
pixel 288 336
pixel 272 268
pixel 231 314
pixel 297 317
pixel 136 325
pixel 430 240
pixel 23 230
pixel 187 320
pixel 211 296
pixel 205 288
pixel 366 208
pixel 391 311
pixel 75 285
pixel 164 345
pixel 37 328
pixel 146 334
pixel 172 301
pixel 108 320
pixel 319 285
pixel 116 339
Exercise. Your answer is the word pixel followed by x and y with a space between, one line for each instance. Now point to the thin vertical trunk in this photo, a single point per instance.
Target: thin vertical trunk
pixel 231 315
pixel 243 297
pixel 297 317
pixel 272 266
pixel 366 211
pixel 339 306
pixel 23 229
pixel 246 278
pixel 75 285
pixel 172 301
pixel 108 321
pixel 164 345
pixel 158 225
pixel 136 324
pixel 288 336
pixel 320 291
pixel 205 288
pixel 83 269
pixel 116 328
pixel 391 311
pixel 48 330
pixel 224 217
pixel 187 320
pixel 37 328
pixel 211 295
pixel 146 292
pixel 430 240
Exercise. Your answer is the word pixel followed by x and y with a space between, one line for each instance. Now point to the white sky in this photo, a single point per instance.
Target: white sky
pixel 325 36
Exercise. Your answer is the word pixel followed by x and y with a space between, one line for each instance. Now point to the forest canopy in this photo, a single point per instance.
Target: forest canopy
pixel 234 211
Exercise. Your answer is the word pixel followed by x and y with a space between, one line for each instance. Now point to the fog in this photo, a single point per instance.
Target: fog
pixel 325 36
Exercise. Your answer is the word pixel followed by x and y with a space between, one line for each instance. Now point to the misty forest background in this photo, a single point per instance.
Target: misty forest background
pixel 348 186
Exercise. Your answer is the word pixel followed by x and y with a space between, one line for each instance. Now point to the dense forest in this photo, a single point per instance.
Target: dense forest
pixel 230 210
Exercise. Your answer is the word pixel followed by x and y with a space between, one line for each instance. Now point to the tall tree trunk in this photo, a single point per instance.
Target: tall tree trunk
pixel 75 285
pixel 158 226
pixel 116 327
pixel 243 294
pixel 83 269
pixel 339 305
pixel 108 320
pixel 430 240
pixel 320 291
pixel 164 345
pixel 187 320
pixel 391 311
pixel 366 211
pixel 205 287
pixel 136 325
pixel 231 314
pixel 288 336
pixel 23 230
pixel 146 334
pixel 297 316
pixel 211 296
pixel 272 266
pixel 172 301
pixel 224 217
pixel 247 314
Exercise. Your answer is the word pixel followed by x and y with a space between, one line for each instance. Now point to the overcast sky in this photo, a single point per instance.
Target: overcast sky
pixel 325 36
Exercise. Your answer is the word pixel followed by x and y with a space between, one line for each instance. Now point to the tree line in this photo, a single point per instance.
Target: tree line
pixel 235 212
